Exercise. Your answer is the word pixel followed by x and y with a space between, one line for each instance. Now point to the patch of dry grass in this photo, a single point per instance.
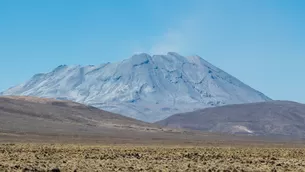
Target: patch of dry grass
pixel 44 157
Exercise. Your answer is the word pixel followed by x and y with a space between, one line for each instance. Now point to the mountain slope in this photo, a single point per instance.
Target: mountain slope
pixel 265 118
pixel 41 115
pixel 41 119
pixel 30 119
pixel 144 87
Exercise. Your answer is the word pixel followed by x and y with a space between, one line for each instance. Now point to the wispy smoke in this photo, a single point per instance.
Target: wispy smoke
pixel 181 39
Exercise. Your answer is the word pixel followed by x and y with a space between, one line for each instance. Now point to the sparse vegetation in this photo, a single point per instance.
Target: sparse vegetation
pixel 51 157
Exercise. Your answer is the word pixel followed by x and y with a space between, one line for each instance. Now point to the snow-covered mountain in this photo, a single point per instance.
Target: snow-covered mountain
pixel 148 88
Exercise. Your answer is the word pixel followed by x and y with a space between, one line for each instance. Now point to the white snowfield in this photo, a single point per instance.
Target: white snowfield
pixel 148 88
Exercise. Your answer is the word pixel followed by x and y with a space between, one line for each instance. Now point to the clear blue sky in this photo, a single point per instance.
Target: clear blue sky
pixel 261 42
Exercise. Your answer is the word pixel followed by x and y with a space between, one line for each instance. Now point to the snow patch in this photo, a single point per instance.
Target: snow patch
pixel 241 129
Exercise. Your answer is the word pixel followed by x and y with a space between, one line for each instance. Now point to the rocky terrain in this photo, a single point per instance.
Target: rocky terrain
pixel 105 158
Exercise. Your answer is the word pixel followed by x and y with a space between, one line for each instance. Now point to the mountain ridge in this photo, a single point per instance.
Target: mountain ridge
pixel 284 118
pixel 148 88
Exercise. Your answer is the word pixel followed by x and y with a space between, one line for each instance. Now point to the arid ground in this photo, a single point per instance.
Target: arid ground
pixel 41 135
pixel 79 157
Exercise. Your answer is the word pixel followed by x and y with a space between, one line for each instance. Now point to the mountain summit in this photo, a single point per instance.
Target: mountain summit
pixel 148 88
